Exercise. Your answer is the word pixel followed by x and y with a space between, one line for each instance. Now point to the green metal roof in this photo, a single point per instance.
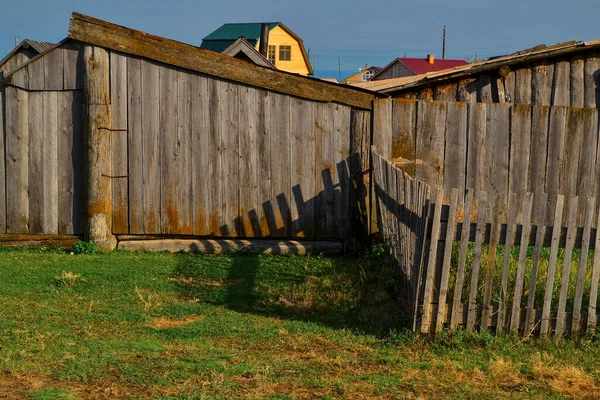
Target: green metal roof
pixel 251 31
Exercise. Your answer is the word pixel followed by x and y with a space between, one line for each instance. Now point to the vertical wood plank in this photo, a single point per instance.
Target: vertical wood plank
pixel 556 229
pixel 341 138
pixel 72 68
pixel 484 89
pixel 592 81
pixel 539 217
pixel 170 154
pixel 583 259
pixel 566 270
pixel 363 206
pixel 118 141
pixel 508 245
pixel 36 74
pixel 555 160
pixel 431 264
pixel 592 306
pixel 498 131
pixel 577 90
pixel 445 275
pixel 78 162
pixel 66 170
pixel 520 137
pixel 522 86
pixel 486 315
pixel 151 149
pixel 53 69
pixel 467 90
pixel 455 153
pixel 281 164
pixel 477 147
pixel 431 123
pixel 570 167
pixel 587 156
pixel 138 219
pixel 248 163
pixel 265 203
pixel 2 156
pixel 326 177
pixel 403 134
pixel 537 158
pixel 303 169
pixel 509 87
pixel 561 84
pixel 36 162
pixel 200 135
pixel 184 147
pixel 462 258
pixel 479 235
pixel 49 175
pixel 230 161
pixel 382 127
pixel 215 174
pixel 519 279
pixel 542 84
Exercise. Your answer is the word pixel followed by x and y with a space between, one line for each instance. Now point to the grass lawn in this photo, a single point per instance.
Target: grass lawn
pixel 139 325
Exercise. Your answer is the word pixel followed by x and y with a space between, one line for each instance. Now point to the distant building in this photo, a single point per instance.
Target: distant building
pixel 22 53
pixel 363 75
pixel 285 50
pixel 402 67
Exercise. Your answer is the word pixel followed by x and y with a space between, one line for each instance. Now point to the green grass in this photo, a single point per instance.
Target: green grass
pixel 139 325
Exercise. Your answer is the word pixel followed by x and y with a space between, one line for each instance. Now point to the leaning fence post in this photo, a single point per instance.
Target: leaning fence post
pixel 96 111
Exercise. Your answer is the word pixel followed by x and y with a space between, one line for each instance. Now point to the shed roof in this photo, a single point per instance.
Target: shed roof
pixel 541 52
pixel 251 31
pixel 241 46
pixel 38 46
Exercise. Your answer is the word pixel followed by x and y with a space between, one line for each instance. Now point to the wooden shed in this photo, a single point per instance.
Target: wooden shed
pixel 117 133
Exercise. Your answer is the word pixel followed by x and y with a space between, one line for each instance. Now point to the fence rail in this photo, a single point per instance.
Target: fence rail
pixel 469 264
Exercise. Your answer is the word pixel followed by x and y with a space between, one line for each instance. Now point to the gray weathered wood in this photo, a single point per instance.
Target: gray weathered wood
pixel 50 164
pixel 484 89
pixel 486 314
pixel 382 127
pixel 445 275
pixel 591 77
pixel 520 137
pixel 265 198
pixel 583 258
pixel 481 223
pixel 403 135
pixel 561 84
pixel 577 89
pixel 53 69
pixel 593 301
pixel 462 258
pixel 135 88
pixel 498 135
pixel 36 162
pixel 431 265
pixel 566 270
pixel 476 147
pixel 184 217
pixel 280 164
pixel 587 156
pixel 555 160
pixel 467 90
pixel 431 120
pixel 508 244
pixel 73 69
pixel 248 163
pixel 537 158
pixel 17 165
pixel 36 74
pixel 66 168
pixel 215 154
pixel 119 138
pixel 542 84
pixel 2 156
pixel 230 159
pixel 362 204
pixel 455 158
pixel 200 121
pixel 522 86
pixel 523 245
pixel 545 321
pixel 570 167
pixel 341 144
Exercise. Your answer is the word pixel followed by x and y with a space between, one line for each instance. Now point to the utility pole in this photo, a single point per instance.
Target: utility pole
pixel 16 41
pixel 444 45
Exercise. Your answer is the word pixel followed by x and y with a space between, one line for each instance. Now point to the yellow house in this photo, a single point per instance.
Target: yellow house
pixel 284 48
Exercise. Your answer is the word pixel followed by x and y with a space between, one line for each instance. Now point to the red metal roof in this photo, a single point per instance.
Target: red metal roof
pixel 422 66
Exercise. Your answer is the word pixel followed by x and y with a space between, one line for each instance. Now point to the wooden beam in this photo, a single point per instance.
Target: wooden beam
pixel 114 37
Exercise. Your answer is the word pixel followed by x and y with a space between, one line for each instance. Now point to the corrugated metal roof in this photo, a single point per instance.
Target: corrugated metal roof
pixel 251 31
pixel 523 56
pixel 40 47
pixel 422 66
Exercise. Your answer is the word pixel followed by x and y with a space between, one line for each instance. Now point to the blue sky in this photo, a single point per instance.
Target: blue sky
pixel 357 32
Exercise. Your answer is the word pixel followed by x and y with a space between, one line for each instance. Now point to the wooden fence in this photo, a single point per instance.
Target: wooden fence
pixel 469 268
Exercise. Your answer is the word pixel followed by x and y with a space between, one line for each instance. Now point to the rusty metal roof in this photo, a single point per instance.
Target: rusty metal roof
pixel 524 56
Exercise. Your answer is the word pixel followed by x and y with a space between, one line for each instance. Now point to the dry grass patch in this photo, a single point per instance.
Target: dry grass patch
pixel 166 323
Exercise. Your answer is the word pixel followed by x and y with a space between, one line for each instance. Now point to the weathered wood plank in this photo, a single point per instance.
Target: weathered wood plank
pixel 561 84
pixel 403 134
pixel 486 314
pixel 114 37
pixel 522 86
pixel 382 127
pixel 72 68
pixel 484 89
pixel 591 76
pixel 119 139
pixel 455 154
pixel 170 151
pixel 185 216
pixel 36 74
pixel 577 90
pixel 537 158
pixel 570 167
pixel 53 69
pixel 477 147
pixel 78 160
pixel 200 136
pixel 538 215
pixel 467 90
pixel 302 136
pixel 66 170
pixel 541 84
pixel 498 133
pixel 462 258
pixel 586 185
pixel 508 245
pixel 281 161
pixel 136 87
pixel 566 270
pixel 555 159
pixel 49 174
pixel 545 321
pixel 427 316
pixel 481 226
pixel 445 275
pixel 214 175
pixel 583 258
pixel 230 159
pixel 509 87
pixel 431 123
pixel 341 144
pixel 362 203
pixel 2 156
pixel 523 245
pixel 520 137
pixel 248 163
pixel 265 198
pixel 326 177
pixel 593 301
pixel 36 162
pixel 151 149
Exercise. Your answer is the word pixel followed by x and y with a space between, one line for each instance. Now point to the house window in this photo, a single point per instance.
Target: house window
pixel 285 53
pixel 271 54
pixel 368 75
